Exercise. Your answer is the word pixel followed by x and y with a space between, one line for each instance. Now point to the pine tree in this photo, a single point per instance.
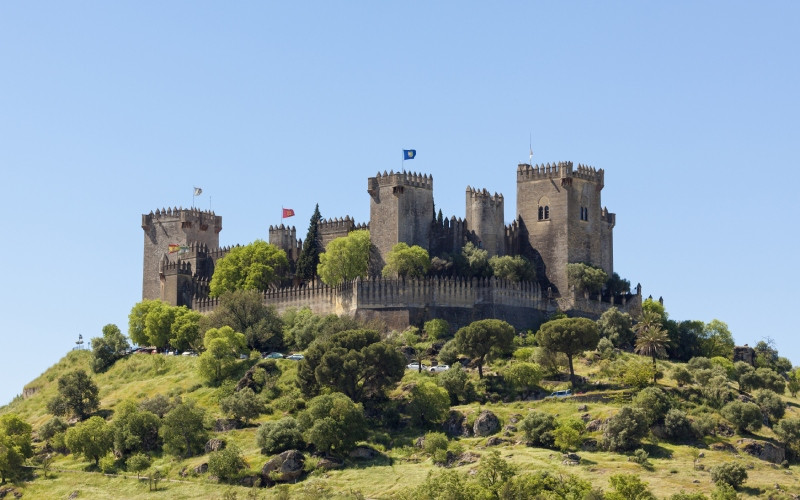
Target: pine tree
pixel 309 257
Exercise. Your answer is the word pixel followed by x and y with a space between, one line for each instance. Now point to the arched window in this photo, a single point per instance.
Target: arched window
pixel 544 208
pixel 546 212
pixel 541 213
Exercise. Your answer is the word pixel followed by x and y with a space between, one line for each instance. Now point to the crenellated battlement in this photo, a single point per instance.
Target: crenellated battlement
pixel 188 217
pixel 403 178
pixel 335 224
pixel 526 172
pixel 484 195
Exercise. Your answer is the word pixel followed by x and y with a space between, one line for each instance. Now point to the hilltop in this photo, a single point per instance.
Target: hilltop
pixel 396 465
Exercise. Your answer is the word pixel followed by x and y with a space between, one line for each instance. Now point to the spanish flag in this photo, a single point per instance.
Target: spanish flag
pixel 174 247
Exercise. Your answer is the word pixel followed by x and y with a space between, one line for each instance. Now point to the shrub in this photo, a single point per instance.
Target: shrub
pixel 653 402
pixel 717 392
pixel 677 425
pixel 638 374
pixel 538 428
pixel 731 473
pixel 639 456
pixel 682 376
pixel 569 434
pixel 137 463
pixel 723 492
pixel 242 405
pixel 788 431
pixel 435 441
pixel 628 486
pixel 429 404
pixel 52 427
pixel 107 464
pixel 699 363
pixel 688 496
pixel 704 425
pixel 605 348
pixel 448 354
pixel 771 404
pixel 745 416
pixel 278 436
pixel 437 329
pixel 457 384
pixel 522 376
pixel 625 430
pixel 226 464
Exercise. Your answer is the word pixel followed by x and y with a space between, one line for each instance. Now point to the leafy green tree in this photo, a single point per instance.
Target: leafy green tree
pixel 92 438
pixel 158 405
pixel 183 430
pixel 185 330
pixel 717 340
pixel 429 404
pixel 156 323
pixel 354 362
pixel 653 402
pixel 677 424
pixel 406 262
pixel 494 471
pixel 586 278
pixel 681 376
pixel 137 326
pixel 52 427
pixel 522 376
pixel 77 395
pixel 15 446
pixel 625 430
pixel 226 464
pixel 515 268
pixel 569 434
pixel 256 266
pixel 788 431
pixel 617 326
pixel 544 484
pixel 684 338
pixel 474 262
pixel 108 348
pixel 457 384
pixel 538 428
pixel 137 463
pixel 730 473
pixel 638 374
pixel 485 339
pixel 570 336
pixel 345 258
pixel 449 352
pixel 134 429
pixel 653 306
pixel 278 436
pixel 223 347
pixel 332 423
pixel 717 392
pixel 615 285
pixel 771 405
pixel 629 487
pixel 745 416
pixel 794 382
pixel 245 312
pixel 312 247
pixel 436 329
pixel 242 405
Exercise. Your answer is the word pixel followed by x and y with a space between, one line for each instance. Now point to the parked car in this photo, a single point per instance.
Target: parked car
pixel 439 368
pixel 295 357
pixel 560 394
pixel 273 355
pixel 189 353
pixel 415 366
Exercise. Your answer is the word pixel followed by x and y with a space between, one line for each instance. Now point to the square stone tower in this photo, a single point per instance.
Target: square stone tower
pixel 561 214
pixel 400 210
pixel 173 226
pixel 484 218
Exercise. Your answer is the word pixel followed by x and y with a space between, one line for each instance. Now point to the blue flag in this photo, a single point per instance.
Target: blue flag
pixel 409 154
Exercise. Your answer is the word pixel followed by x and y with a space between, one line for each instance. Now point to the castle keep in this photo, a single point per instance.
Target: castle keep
pixel 560 220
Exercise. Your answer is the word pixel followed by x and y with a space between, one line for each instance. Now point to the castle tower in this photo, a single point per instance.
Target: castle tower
pixel 484 218
pixel 400 210
pixel 285 238
pixel 560 212
pixel 173 226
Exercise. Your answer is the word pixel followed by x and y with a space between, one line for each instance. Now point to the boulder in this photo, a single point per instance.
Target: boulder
pixel 215 445
pixel 201 469
pixel 589 445
pixel 594 425
pixel 586 417
pixel 582 407
pixel 329 463
pixel 515 418
pixel 249 481
pixel 364 452
pixel 571 459
pixel 723 447
pixel 226 424
pixel 455 425
pixel 763 450
pixel 285 467
pixel 510 428
pixel 494 441
pixel 486 424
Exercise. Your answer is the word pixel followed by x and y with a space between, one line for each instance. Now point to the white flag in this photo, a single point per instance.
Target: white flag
pixel 198 191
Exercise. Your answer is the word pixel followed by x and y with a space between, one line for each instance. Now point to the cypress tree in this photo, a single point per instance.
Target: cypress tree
pixel 309 256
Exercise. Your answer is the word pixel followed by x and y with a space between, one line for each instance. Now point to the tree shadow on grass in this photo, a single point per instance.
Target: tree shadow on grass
pixel 749 490
pixel 379 461
pixel 657 451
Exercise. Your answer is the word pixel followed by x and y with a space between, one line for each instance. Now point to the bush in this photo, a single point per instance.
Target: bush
pixel 226 464
pixel 435 441
pixel 717 392
pixel 771 404
pixel 625 430
pixel 699 363
pixel 653 402
pixel 437 329
pixel 731 473
pixel 628 486
pixel 704 425
pixel 677 425
pixel 429 404
pixel 639 456
pixel 522 376
pixel 723 492
pixel 745 416
pixel 448 354
pixel 569 434
pixel 242 405
pixel 638 374
pixel 682 376
pixel 538 428
pixel 137 463
pixel 457 384
pixel 605 348
pixel 278 436
pixel 108 464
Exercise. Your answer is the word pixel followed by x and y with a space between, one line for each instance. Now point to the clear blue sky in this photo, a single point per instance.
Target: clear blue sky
pixel 111 109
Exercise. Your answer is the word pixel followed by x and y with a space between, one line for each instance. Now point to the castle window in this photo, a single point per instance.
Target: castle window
pixel 544 208
pixel 584 213
pixel 541 213
pixel 186 224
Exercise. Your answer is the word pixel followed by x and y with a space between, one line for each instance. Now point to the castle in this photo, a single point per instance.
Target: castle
pixel 560 220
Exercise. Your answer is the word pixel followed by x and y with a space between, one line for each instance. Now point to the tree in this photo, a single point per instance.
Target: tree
pixel 137 463
pixel 278 436
pixel 226 464
pixel 312 247
pixel 245 312
pixel 333 423
pixel 242 405
pixel 788 431
pixel 134 429
pixel 185 330
pixel 538 428
pixel 586 278
pixel 251 267
pixel 475 262
pixel 569 434
pixel 429 404
pixel 515 268
pixel 485 339
pixel 625 430
pixel 406 262
pixel 92 438
pixel 457 384
pixel 108 348
pixel 223 347
pixel 494 472
pixel 653 402
pixel 522 376
pixel 745 416
pixel 651 339
pixel 156 323
pixel 794 382
pixel 717 340
pixel 183 430
pixel 730 473
pixel 615 285
pixel 772 406
pixel 15 446
pixel 684 338
pixel 570 336
pixel 436 329
pixel 77 395
pixel 617 326
pixel 629 487
pixel 345 258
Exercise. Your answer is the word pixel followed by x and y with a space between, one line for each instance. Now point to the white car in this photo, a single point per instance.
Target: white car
pixel 415 366
pixel 295 357
pixel 439 368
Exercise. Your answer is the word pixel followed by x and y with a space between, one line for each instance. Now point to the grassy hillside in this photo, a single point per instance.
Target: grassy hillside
pixel 672 466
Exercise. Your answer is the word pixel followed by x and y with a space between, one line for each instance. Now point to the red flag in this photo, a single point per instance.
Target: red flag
pixel 287 212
